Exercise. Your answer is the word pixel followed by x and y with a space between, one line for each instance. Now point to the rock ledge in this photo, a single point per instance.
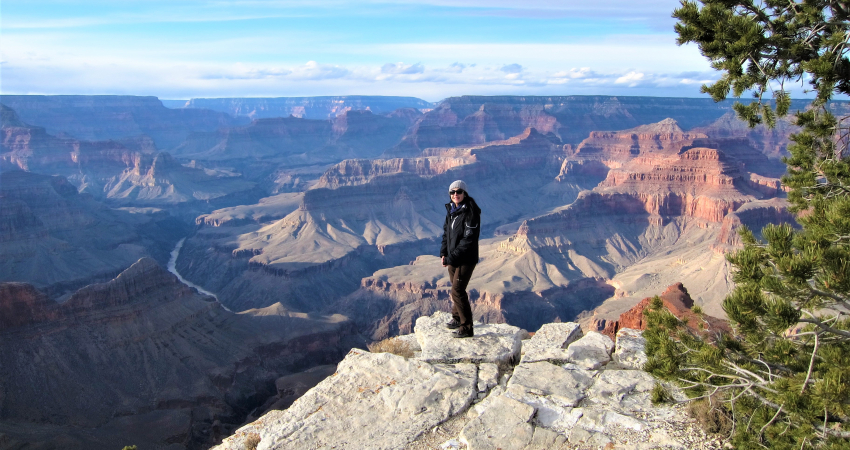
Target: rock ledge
pixel 568 391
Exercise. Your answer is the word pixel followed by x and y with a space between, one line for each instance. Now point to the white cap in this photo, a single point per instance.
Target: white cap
pixel 459 184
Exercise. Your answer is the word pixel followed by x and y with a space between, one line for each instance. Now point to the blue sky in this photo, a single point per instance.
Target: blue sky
pixel 432 49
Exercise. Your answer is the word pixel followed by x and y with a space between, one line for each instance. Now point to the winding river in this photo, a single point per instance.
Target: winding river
pixel 172 267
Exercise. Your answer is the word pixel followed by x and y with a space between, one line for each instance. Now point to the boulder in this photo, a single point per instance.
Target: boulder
pixel 503 425
pixel 630 349
pixel 591 351
pixel 623 390
pixel 498 344
pixel 550 343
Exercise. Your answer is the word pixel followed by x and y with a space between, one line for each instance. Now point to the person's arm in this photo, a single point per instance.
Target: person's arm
pixel 444 248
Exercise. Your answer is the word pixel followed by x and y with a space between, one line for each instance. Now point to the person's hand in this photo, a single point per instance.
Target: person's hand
pixel 443 258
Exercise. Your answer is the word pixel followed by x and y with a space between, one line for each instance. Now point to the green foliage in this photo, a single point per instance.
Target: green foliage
pixel 660 394
pixel 130 447
pixel 781 376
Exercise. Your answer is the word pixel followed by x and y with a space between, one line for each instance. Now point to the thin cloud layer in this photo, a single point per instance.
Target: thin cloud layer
pixel 426 48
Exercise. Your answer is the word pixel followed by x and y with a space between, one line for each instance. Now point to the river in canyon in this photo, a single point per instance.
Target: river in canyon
pixel 172 267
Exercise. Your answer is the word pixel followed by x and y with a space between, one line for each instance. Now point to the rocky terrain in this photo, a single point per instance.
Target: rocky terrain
pixel 560 389
pixel 143 359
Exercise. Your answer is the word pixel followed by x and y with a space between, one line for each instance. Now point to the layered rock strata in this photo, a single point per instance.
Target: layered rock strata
pixel 292 140
pixel 144 359
pixel 361 209
pixel 595 397
pixel 129 171
pixel 469 120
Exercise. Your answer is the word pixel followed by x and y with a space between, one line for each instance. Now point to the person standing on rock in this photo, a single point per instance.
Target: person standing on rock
pixel 459 253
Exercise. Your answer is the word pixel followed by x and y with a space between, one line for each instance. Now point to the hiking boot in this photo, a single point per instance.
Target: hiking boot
pixel 462 334
pixel 452 324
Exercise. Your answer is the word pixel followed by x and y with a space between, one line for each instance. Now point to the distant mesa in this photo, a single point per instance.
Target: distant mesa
pixel 321 108
pixel 104 117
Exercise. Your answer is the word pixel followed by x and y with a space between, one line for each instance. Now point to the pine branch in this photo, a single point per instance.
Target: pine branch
pixel 826 327
pixel 836 433
pixel 811 365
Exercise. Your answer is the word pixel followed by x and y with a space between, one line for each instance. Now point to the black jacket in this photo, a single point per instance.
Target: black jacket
pixel 460 234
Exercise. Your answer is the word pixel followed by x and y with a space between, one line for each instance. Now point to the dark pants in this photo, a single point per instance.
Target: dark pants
pixel 461 311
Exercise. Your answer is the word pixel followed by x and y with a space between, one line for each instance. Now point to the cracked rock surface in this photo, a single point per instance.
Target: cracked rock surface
pixel 569 392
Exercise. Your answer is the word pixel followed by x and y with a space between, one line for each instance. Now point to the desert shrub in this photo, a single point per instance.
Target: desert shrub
pixel 392 345
pixel 711 414
pixel 252 441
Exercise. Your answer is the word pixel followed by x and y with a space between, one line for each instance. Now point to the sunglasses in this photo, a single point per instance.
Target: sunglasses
pixel 458 192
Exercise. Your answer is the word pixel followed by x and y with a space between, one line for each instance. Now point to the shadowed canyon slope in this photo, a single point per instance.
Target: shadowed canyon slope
pixel 145 360
pixel 57 239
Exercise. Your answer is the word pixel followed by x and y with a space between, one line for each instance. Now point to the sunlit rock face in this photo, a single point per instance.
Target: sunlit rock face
pixel 144 358
pixel 474 120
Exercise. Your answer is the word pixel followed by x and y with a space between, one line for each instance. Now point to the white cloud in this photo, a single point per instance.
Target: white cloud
pixel 315 71
pixel 457 67
pixel 402 68
pixel 511 68
pixel 631 78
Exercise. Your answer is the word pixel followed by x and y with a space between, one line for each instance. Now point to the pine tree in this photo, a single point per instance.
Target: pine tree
pixel 783 375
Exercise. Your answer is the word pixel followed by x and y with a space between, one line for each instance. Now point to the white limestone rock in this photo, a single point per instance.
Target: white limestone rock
pixel 580 436
pixel 550 343
pixel 555 417
pixel 544 439
pixel 488 377
pixel 499 343
pixel 482 406
pixel 504 425
pixel 544 379
pixel 376 401
pixel 600 420
pixel 592 351
pixel 410 340
pixel 625 390
pixel 552 390
pixel 630 350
